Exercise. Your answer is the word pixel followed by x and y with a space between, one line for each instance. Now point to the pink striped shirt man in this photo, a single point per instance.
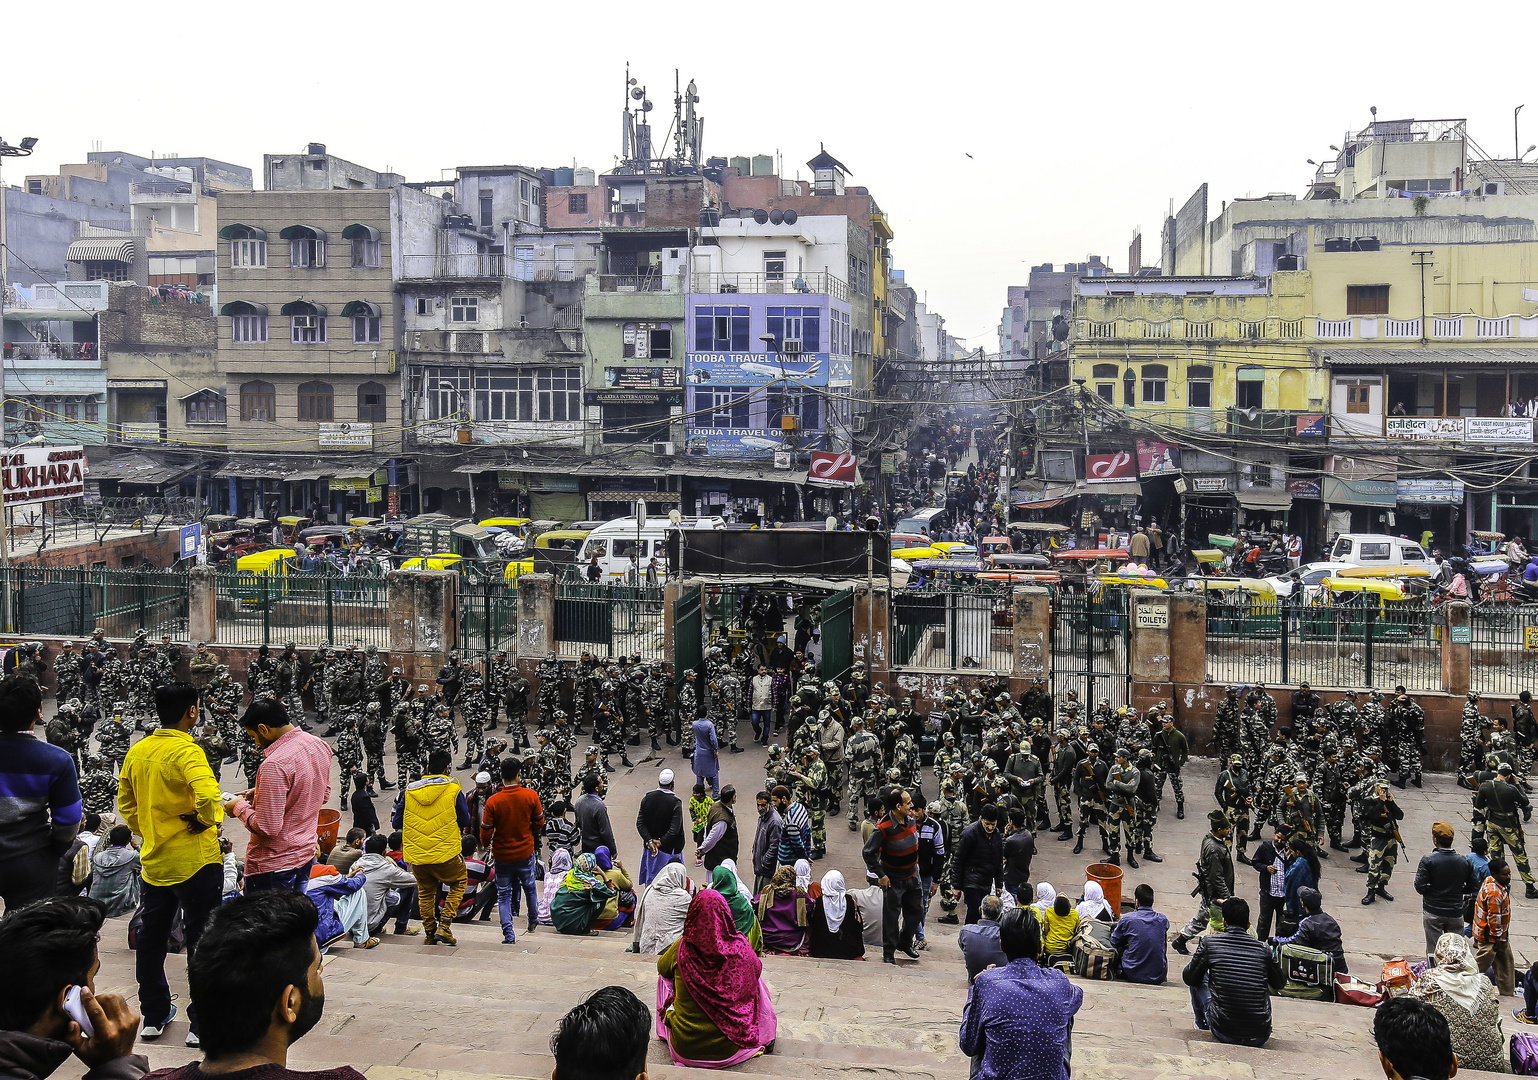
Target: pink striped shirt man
pixel 292 784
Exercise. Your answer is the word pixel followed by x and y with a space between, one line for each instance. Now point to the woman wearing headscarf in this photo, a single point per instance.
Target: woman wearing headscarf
pixel 617 912
pixel 582 897
pixel 834 928
pixel 560 866
pixel 712 1005
pixel 723 881
pixel 742 886
pixel 663 907
pixel 803 874
pixel 1458 990
pixel 1094 905
pixel 1046 896
pixel 782 913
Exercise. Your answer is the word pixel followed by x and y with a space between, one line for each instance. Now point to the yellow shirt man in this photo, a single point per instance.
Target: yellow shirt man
pixel 170 797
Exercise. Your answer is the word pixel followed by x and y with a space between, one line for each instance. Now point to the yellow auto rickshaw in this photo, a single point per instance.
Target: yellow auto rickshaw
pixel 1346 606
pixel 268 580
pixel 1243 607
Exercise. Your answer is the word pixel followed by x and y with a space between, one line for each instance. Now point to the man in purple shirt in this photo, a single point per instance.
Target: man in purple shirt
pixel 1018 1020
pixel 1139 940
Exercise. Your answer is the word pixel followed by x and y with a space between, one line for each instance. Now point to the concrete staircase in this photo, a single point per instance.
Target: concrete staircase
pixel 481 1010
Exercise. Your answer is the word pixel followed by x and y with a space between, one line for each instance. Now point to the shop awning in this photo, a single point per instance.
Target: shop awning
pixel 1039 496
pixel 138 469
pixel 360 307
pixel 358 231
pixel 1420 357
pixel 1265 499
pixel 101 250
pixel 1113 487
pixel 243 307
pixel 632 496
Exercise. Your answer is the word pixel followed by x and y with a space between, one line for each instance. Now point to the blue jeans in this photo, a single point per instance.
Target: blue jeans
pixel 512 877
pixel 1200 1000
pixel 761 719
pixel 293 880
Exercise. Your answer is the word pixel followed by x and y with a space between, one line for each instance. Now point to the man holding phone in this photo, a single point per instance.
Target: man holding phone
pixel 45 1017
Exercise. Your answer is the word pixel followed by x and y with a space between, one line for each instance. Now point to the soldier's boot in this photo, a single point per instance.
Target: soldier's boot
pixel 1398 781
pixel 1131 859
pixel 1180 809
pixel 1532 891
pixel 606 766
pixel 490 727
pixel 1254 834
pixel 635 738
pixel 1078 847
pixel 624 759
pixel 1416 780
pixel 1115 860
pixel 1149 856
pixel 655 744
pixel 736 749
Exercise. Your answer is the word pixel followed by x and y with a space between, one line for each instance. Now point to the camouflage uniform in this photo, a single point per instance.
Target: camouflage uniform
pixel 1089 786
pixel 1225 726
pixel 262 677
pixel 549 676
pixel 555 761
pixel 1381 818
pixel 1469 732
pixel 724 692
pixel 98 786
pixel 66 674
pixel 654 699
pixel 952 815
pixel 1121 785
pixel 224 698
pixel 862 756
pixel 1332 784
pixel 1343 714
pixel 812 791
pixel 212 743
pixel 114 734
pixel 1372 718
pixel 687 710
pixel 289 681
pixel 1410 729
pixel 500 669
pixel 515 695
pixel 438 732
pixel 905 758
pixel 1253 737
pixel 372 732
pixel 473 709
pixel 1150 790
pixel 777 770
pixel 590 766
pixel 62 731
pixel 1232 793
pixel 349 753
pixel 410 741
pixel 1501 800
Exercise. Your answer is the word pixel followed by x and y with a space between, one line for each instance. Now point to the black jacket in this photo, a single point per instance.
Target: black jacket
pixel 1236 969
pixel 1267 855
pixel 1443 879
pixel 979 858
pixel 661 817
pixel 28 1057
pixel 1019 850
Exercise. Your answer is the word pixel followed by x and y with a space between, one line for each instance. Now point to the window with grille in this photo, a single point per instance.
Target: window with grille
pixel 258 401
pixel 371 403
pixel 721 329
pixel 576 204
pixel 316 401
pixel 248 329
pixel 774 266
pixel 307 329
pixel 529 394
pixel 647 341
pixel 92 409
pixel 486 209
pixel 447 391
pixel 464 308
pixel 106 270
pixel 250 254
pixel 1366 299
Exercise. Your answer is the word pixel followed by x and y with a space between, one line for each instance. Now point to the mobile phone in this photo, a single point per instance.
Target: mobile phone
pixel 76 1012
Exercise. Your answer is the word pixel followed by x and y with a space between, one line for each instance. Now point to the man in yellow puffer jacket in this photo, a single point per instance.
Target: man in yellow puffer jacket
pixel 433 816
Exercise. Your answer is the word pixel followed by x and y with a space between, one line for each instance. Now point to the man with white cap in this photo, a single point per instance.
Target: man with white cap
pixel 660 821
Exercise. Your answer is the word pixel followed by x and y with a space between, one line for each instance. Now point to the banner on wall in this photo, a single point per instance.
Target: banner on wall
pixel 1106 468
pixel 827 469
pixel 1157 458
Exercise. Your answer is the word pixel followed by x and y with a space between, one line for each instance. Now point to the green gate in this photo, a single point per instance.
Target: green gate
pixel 1090 648
pixel 838 634
pixel 688 629
pixel 488 615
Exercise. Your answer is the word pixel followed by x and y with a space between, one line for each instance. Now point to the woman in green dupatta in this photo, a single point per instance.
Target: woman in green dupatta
pixel 723 881
pixel 581 898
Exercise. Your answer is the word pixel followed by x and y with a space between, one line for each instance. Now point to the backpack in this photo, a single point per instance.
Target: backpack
pixel 1093 957
pixel 1309 975
pixel 1524 1054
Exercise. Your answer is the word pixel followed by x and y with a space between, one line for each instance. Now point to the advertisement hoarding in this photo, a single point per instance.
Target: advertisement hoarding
pixel 38 474
pixel 1106 468
pixel 755 369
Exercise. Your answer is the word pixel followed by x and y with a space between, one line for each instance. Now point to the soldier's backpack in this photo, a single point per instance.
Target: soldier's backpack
pixel 1093 957
pixel 1309 974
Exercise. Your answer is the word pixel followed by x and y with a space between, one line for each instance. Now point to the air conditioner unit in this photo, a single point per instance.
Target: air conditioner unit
pixel 1494 187
pixel 791 347
pixel 665 449
pixel 858 423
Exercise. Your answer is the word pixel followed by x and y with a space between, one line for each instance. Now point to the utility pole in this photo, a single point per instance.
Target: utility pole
pixel 6 150
pixel 1516 133
pixel 1422 260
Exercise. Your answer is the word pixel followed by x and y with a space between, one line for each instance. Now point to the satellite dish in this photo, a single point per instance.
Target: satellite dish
pixel 637 92
pixel 775 217
pixel 675 518
pixel 646 106
pixel 790 217
pixel 761 216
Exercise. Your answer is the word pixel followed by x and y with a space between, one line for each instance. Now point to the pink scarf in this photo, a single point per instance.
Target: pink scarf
pixel 721 971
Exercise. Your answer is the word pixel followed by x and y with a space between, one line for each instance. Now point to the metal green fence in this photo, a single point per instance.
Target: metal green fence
pixel 952 629
pixel 73 601
pixel 1503 648
pixel 1353 642
pixel 608 620
pixel 302 607
pixel 488 616
pixel 1091 647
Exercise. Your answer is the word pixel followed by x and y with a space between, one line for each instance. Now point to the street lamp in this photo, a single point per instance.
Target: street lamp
pixel 6 150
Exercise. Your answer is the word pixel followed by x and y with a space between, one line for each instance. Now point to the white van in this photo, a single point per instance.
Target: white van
pixel 1377 549
pixel 928 522
pixel 614 542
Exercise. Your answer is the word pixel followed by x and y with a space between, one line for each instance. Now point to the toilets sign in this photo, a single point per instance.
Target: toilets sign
pixel 38 474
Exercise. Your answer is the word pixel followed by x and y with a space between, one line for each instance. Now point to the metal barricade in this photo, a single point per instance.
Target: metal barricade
pixel 1503 648
pixel 303 607
pixel 73 601
pixel 488 616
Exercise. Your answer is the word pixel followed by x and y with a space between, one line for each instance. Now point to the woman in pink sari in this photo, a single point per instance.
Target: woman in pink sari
pixel 713 1007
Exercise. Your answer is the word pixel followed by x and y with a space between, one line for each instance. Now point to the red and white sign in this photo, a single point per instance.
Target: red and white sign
pixel 1104 468
pixel 38 474
pixel 833 470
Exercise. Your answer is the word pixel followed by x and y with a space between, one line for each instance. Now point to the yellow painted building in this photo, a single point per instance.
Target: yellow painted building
pixel 1181 351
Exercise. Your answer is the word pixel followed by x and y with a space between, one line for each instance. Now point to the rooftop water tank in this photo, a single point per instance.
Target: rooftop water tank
pixel 563 177
pixel 584 177
pixel 744 166
pixel 763 165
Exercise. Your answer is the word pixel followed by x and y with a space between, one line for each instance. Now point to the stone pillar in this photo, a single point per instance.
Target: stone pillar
pixel 1150 657
pixel 671 590
pixel 1187 635
pixel 422 609
pixel 536 615
pixel 1032 634
pixel 872 629
pixel 1457 648
pixel 202 605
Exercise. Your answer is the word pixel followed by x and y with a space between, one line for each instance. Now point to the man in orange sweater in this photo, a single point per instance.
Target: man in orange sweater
pixel 510 827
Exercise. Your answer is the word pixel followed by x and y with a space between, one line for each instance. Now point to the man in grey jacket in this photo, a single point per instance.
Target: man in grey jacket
pixel 593 816
pixel 766 842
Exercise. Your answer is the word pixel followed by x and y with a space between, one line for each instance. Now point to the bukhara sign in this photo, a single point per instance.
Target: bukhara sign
pixel 36 474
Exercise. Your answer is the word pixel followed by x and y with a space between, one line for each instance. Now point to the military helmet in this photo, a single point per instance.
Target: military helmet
pixel 775 750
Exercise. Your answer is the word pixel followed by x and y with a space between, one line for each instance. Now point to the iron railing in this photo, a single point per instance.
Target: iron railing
pixel 608 620
pixel 303 607
pixel 488 616
pixel 73 601
pixel 1503 648
pixel 952 629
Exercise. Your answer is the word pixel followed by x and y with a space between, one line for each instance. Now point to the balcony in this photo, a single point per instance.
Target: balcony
pixel 1313 329
pixel 462 267
pixel 50 350
pixel 632 283
pixel 163 191
pixel 1269 423
pixel 68 296
pixel 788 284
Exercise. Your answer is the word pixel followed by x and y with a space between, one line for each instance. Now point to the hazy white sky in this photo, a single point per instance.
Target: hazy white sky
pixel 1082 120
